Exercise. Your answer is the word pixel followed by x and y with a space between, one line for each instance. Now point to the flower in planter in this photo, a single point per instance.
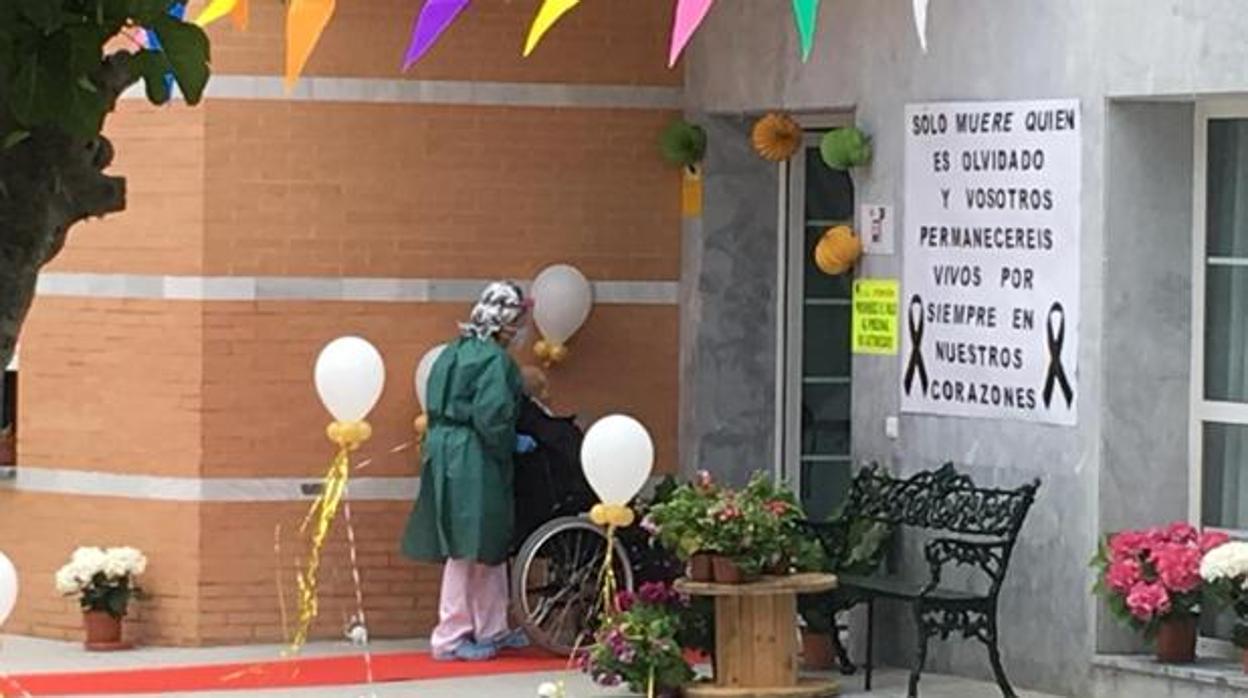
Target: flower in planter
pixel 103 579
pixel 1225 570
pixel 639 645
pixel 1150 576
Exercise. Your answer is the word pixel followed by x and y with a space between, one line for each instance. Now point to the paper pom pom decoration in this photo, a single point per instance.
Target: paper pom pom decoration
pixel 837 250
pixel 844 148
pixel 683 143
pixel 776 137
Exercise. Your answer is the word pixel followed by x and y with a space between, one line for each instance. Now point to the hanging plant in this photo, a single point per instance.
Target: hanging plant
pixel 844 148
pixel 776 137
pixel 838 250
pixel 683 143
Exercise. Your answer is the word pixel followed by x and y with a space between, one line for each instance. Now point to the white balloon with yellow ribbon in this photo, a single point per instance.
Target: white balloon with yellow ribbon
pixel 562 299
pixel 349 376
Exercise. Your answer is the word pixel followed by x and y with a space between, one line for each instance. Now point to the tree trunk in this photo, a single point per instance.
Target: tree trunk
pixel 49 182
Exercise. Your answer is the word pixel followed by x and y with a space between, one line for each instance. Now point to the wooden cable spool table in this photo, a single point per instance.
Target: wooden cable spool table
pixel 756 637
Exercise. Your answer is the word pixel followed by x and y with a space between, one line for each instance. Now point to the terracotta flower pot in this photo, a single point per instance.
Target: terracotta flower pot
pixel 1176 640
pixel 818 651
pixel 103 632
pixel 727 571
pixel 702 567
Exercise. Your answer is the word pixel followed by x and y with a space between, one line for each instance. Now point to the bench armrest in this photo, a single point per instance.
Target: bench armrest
pixel 989 557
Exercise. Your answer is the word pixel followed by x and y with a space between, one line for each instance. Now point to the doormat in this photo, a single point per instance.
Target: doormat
pixel 279 673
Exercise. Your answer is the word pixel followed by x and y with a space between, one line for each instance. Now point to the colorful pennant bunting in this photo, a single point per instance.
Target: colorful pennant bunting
pixel 920 22
pixel 433 19
pixel 237 10
pixel 806 13
pixel 305 22
pixel 689 14
pixel 547 15
pixel 152 41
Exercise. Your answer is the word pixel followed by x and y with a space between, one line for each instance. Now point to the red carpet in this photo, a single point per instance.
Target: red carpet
pixel 281 673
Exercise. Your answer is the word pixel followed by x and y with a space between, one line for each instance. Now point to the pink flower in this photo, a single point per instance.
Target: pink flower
pixel 1128 543
pixel 778 507
pixel 728 513
pixel 1212 539
pixel 1181 532
pixel 1148 600
pixel 1123 574
pixel 704 480
pixel 1178 567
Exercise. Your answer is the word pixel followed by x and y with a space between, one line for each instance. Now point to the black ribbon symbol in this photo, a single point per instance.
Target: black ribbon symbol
pixel 1057 374
pixel 916 341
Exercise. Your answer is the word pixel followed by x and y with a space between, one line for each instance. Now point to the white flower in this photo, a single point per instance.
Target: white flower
pixel 550 690
pixel 88 562
pixel 122 562
pixel 67 581
pixel 1227 561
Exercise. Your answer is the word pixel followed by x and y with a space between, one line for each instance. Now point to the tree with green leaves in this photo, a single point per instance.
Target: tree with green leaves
pixel 59 79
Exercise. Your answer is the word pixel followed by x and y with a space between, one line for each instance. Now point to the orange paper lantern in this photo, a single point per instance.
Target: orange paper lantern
pixel 837 250
pixel 776 137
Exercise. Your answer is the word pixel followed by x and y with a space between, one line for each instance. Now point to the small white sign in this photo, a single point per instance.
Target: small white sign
pixel 875 226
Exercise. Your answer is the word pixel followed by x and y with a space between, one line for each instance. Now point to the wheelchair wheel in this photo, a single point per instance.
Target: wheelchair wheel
pixel 555 585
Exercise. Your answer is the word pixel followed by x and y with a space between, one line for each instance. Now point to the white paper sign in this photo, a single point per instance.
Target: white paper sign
pixel 990 306
pixel 875 227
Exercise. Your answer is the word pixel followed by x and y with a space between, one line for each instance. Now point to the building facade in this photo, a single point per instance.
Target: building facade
pixel 165 396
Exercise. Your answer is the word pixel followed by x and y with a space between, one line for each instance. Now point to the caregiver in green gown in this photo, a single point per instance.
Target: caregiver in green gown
pixel 465 510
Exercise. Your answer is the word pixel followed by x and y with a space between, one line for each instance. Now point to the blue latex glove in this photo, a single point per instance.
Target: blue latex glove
pixel 525 444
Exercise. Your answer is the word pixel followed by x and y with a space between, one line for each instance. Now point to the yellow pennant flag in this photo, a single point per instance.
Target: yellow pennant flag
pixel 547 15
pixel 216 9
pixel 305 21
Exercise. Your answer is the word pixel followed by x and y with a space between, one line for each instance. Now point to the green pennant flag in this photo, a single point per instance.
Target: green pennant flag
pixel 806 12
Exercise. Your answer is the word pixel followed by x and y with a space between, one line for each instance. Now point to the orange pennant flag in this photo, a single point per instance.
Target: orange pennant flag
pixel 305 21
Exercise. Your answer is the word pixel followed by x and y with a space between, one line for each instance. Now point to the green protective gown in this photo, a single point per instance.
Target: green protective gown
pixel 466 507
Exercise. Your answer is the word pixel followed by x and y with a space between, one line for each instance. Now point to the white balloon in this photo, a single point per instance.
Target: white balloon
pixel 8 587
pixel 562 298
pixel 349 377
pixel 423 369
pixel 617 457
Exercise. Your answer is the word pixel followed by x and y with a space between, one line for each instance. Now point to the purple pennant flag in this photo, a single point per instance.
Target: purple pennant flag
pixel 434 18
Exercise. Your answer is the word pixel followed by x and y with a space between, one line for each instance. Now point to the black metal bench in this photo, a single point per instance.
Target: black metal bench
pixel 971 527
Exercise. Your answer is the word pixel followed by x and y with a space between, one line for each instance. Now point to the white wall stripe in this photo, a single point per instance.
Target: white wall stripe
pixel 287 288
pixel 191 489
pixel 458 92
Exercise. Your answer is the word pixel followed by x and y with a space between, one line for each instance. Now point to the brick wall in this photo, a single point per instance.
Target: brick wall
pixel 215 389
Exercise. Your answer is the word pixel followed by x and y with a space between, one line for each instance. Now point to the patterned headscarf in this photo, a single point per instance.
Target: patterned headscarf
pixel 501 305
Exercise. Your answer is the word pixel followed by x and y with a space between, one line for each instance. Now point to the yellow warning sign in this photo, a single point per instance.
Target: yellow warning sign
pixel 875 316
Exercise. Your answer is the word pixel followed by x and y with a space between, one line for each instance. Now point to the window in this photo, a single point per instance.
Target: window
pixel 1219 435
pixel 816 360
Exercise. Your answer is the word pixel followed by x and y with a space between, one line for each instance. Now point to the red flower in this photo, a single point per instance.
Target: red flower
pixel 1148 600
pixel 778 507
pixel 1123 574
pixel 1181 532
pixel 1212 539
pixel 1128 543
pixel 1178 566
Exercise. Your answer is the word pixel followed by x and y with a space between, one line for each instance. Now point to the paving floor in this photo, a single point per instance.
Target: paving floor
pixel 20 655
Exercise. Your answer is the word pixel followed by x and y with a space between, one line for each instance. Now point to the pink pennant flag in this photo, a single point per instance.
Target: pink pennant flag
pixel 434 18
pixel 689 14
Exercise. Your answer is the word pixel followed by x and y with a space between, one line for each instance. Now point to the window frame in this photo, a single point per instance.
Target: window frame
pixel 1202 410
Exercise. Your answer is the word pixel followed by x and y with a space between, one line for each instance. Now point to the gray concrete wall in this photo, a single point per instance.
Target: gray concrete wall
pixel 1147 343
pixel 728 315
pixel 867 59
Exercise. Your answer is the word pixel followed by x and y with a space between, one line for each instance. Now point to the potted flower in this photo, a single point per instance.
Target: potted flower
pixel 1225 571
pixel 638 646
pixel 681 522
pixel 104 582
pixel 1151 581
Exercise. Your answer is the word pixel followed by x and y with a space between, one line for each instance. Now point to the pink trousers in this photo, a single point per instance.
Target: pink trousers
pixel 473 606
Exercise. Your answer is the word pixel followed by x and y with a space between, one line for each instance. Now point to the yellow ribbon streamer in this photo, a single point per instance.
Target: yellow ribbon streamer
pixel 547 15
pixel 216 9
pixel 348 436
